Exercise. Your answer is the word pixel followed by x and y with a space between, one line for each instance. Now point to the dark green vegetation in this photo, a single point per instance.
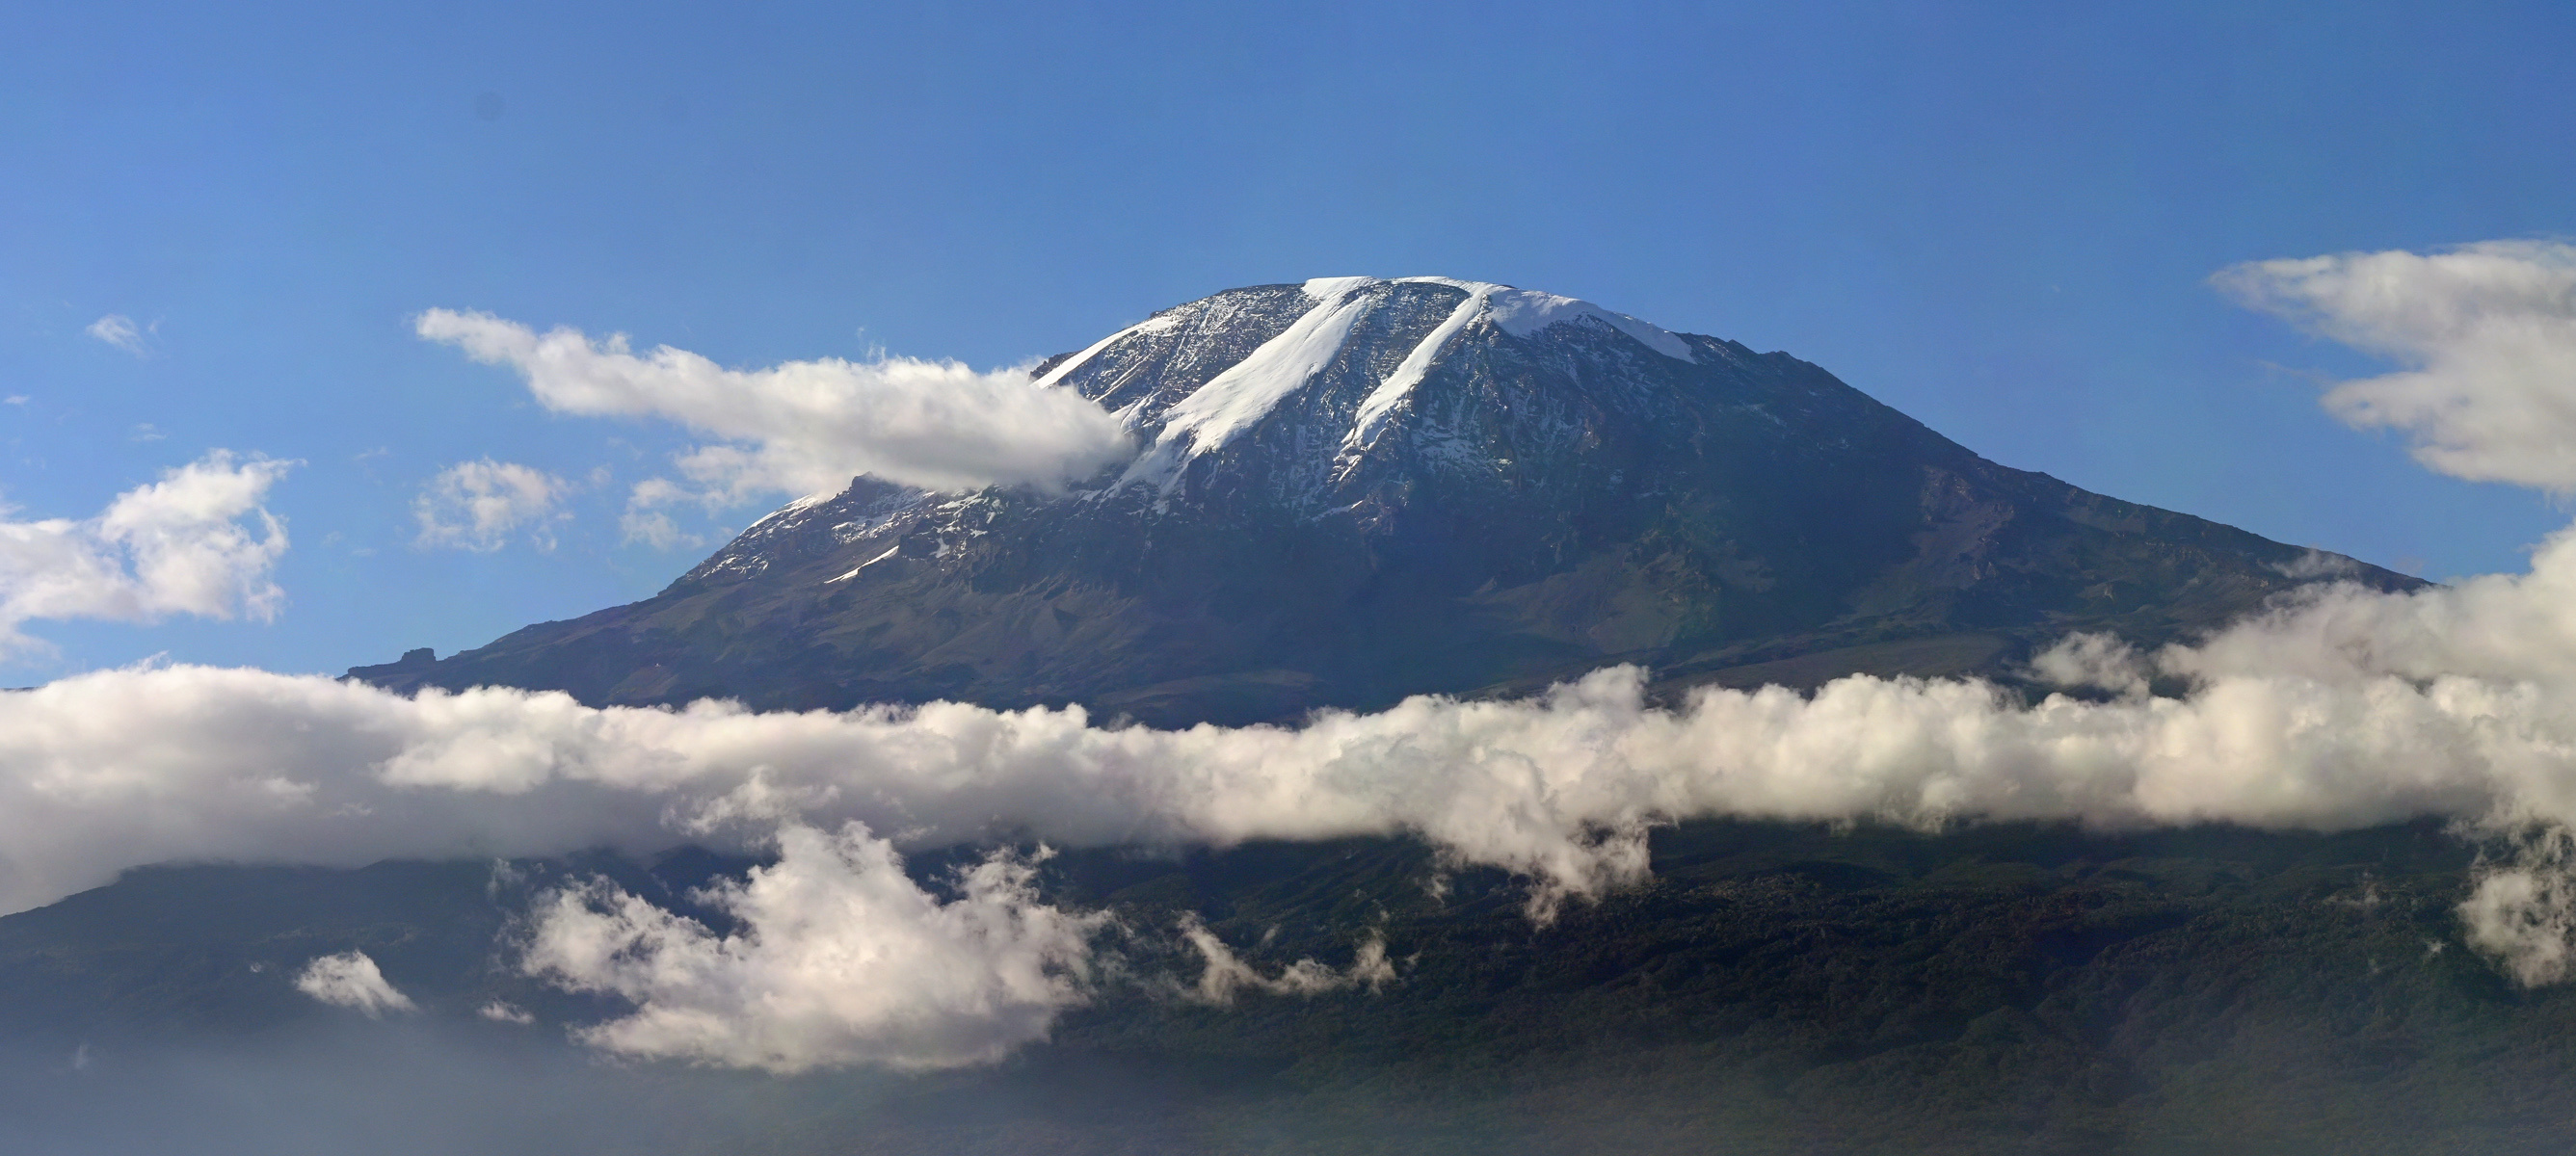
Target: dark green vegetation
pixel 1539 506
pixel 1775 989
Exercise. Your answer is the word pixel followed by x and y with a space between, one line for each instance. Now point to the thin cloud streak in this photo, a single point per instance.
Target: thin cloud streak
pixel 120 331
pixel 805 427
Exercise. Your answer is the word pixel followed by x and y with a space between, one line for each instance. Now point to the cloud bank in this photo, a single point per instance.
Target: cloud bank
pixel 478 505
pixel 121 768
pixel 2487 334
pixel 808 427
pixel 195 542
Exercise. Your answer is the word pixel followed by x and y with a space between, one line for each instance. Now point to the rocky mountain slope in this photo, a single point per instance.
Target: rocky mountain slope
pixel 1353 489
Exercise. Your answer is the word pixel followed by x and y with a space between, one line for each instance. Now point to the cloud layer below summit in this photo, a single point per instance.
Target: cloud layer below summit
pixel 119 768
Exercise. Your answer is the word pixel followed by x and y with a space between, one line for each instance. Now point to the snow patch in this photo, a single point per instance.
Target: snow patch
pixel 1380 404
pixel 1232 401
pixel 1522 312
pixel 1158 323
pixel 1334 288
pixel 1454 283
pixel 891 551
pixel 798 506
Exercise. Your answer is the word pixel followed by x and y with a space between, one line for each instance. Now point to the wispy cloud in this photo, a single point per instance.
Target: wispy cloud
pixel 120 331
pixel 806 427
pixel 1226 974
pixel 505 1012
pixel 645 521
pixel 479 505
pixel 195 542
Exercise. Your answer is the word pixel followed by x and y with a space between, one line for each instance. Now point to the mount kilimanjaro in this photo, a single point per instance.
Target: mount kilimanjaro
pixel 1352 490
pixel 1344 492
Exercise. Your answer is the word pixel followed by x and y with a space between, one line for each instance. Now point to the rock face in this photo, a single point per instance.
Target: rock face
pixel 1353 489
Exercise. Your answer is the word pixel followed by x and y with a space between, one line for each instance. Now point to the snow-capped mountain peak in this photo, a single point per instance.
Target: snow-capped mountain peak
pixel 1353 489
pixel 1340 358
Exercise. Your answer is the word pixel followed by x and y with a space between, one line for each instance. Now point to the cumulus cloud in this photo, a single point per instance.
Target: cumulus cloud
pixel 843 960
pixel 2487 335
pixel 807 427
pixel 195 542
pixel 351 980
pixel 478 505
pixel 120 331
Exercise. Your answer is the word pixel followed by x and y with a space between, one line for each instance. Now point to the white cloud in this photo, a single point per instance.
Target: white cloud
pixel 478 505
pixel 120 331
pixel 842 960
pixel 1226 974
pixel 118 768
pixel 657 530
pixel 644 522
pixel 505 1012
pixel 2487 334
pixel 808 426
pixel 351 980
pixel 2523 913
pixel 113 769
pixel 185 544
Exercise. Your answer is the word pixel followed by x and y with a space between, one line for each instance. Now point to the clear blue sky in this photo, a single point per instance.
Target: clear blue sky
pixel 1999 218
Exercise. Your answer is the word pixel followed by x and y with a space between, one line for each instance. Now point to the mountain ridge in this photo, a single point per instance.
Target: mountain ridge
pixel 1351 490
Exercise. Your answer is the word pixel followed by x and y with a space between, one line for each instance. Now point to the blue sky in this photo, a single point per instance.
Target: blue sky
pixel 2000 219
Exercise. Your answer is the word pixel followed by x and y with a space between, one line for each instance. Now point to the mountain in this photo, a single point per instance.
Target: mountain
pixel 1344 492
pixel 1352 490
